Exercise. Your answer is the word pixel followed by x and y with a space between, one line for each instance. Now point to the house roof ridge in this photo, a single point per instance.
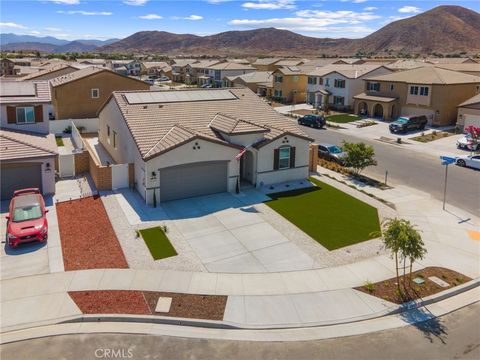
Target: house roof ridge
pixel 12 138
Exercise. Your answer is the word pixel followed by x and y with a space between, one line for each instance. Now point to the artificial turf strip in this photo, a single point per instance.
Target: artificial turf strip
pixel 343 118
pixel 331 217
pixel 158 243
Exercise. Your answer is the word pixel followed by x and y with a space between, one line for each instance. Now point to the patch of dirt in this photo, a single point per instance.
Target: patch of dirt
pixel 388 289
pixel 111 302
pixel 303 112
pixel 87 236
pixel 210 307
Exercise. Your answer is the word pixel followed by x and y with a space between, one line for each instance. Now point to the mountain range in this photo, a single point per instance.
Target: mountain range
pixel 444 29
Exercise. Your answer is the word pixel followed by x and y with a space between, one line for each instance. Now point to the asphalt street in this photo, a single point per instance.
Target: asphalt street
pixel 415 169
pixel 453 336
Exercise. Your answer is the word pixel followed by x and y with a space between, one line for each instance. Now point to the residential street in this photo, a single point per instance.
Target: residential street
pixel 411 168
pixel 454 336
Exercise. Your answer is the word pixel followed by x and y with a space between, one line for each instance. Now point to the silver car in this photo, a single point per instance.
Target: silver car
pixel 331 152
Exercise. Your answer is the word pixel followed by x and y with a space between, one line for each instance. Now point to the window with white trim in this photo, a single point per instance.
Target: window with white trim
pixel 278 79
pixel 278 93
pixel 284 158
pixel 25 115
pixel 373 86
pixel 413 90
pixel 423 90
pixel 339 83
pixel 339 100
pixel 95 93
pixel 392 87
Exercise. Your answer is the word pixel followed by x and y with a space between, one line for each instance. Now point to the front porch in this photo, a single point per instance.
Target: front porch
pixel 380 107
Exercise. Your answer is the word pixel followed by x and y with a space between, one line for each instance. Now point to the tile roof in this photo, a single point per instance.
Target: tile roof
pixel 407 64
pixel 23 145
pixel 154 64
pixel 428 75
pixel 230 125
pixel 158 127
pixel 448 60
pixel 471 101
pixel 290 62
pixel 18 92
pixel 204 63
pixel 230 66
pixel 349 71
pixel 254 77
pixel 64 79
pixel 378 98
pixel 47 70
pixel 467 67
pixel 266 61
pixel 183 62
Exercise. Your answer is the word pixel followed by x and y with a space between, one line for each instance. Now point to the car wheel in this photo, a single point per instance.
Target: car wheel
pixel 461 163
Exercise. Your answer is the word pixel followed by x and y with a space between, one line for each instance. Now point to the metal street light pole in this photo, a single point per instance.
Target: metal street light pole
pixel 445 186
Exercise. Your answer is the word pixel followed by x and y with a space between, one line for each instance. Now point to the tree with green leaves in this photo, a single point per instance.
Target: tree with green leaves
pixel 359 156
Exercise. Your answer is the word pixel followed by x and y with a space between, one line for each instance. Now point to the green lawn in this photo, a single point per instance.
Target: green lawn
pixel 343 118
pixel 158 243
pixel 328 215
pixel 59 141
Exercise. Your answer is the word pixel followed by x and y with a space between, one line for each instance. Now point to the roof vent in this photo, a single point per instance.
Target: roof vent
pixel 160 106
pixel 145 106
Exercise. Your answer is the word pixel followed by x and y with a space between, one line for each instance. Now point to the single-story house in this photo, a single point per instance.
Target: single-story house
pixel 192 142
pixel 469 113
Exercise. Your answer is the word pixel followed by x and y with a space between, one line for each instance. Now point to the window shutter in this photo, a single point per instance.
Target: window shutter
pixel 292 157
pixel 11 115
pixel 276 159
pixel 38 113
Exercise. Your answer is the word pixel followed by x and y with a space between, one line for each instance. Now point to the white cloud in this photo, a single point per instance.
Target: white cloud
pixel 370 8
pixel 135 2
pixel 53 29
pixel 190 17
pixel 216 2
pixel 12 25
pixel 65 2
pixel 151 17
pixel 409 10
pixel 359 1
pixel 394 18
pixel 85 13
pixel 351 17
pixel 270 4
pixel 35 32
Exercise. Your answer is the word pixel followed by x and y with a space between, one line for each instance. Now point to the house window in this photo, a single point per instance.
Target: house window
pixel 295 78
pixel 423 91
pixel 312 80
pixel 392 87
pixel 114 139
pixel 278 79
pixel 95 93
pixel 284 158
pixel 320 81
pixel 413 90
pixel 338 83
pixel 373 86
pixel 278 93
pixel 25 115
pixel 327 82
pixel 108 134
pixel 338 100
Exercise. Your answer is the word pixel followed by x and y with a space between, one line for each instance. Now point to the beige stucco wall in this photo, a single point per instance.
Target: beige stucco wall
pixel 38 127
pixel 74 101
pixel 290 84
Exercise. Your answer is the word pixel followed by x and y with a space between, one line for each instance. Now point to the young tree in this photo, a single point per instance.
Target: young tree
pixel 392 237
pixel 359 156
pixel 414 248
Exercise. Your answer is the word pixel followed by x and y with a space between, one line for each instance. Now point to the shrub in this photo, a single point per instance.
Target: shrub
pixel 370 287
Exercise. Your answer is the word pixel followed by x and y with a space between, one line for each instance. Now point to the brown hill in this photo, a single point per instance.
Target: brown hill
pixel 443 29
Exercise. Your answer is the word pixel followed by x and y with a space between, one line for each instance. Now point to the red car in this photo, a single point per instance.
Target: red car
pixel 27 219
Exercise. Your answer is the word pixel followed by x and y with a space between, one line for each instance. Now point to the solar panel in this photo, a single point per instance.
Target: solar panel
pixel 17 88
pixel 178 96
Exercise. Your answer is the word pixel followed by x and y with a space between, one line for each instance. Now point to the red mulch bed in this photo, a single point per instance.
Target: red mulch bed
pixel 87 236
pixel 210 307
pixel 111 302
pixel 388 289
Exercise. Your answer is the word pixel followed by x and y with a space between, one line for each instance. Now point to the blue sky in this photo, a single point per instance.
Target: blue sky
pixel 103 19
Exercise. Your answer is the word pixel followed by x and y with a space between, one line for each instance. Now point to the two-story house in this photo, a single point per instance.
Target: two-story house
pixel 27 156
pixel 335 85
pixel 214 74
pixel 429 91
pixel 195 72
pixel 289 84
pixel 179 69
pixel 80 94
pixel 157 68
pixel 193 142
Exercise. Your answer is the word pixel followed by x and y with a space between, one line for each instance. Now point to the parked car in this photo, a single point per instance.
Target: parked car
pixel 150 81
pixel 27 218
pixel 153 77
pixel 407 123
pixel 316 121
pixel 206 86
pixel 164 78
pixel 466 142
pixel 331 152
pixel 472 161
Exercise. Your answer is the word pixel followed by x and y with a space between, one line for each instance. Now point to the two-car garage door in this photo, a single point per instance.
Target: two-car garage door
pixel 19 176
pixel 184 181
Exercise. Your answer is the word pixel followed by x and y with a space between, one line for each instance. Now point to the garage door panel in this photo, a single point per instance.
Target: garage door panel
pixel 19 176
pixel 472 120
pixel 191 180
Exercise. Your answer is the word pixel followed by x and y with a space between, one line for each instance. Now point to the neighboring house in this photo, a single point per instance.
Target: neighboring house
pixel 467 68
pixel 81 93
pixel 260 82
pixel 198 70
pixel 335 85
pixel 214 74
pixel 193 142
pixel 407 64
pixel 93 62
pixel 134 68
pixel 179 68
pixel 429 91
pixel 450 60
pixel 27 160
pixel 119 66
pixel 290 62
pixel 469 113
pixel 266 64
pixel 8 68
pixel 157 68
pixel 289 84
pixel 25 105
pixel 50 72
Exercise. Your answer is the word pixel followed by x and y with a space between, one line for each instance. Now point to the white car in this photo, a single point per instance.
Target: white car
pixel 472 161
pixel 465 142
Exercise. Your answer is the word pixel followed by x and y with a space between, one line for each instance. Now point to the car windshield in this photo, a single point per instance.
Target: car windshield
pixel 334 149
pixel 28 212
pixel 402 120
